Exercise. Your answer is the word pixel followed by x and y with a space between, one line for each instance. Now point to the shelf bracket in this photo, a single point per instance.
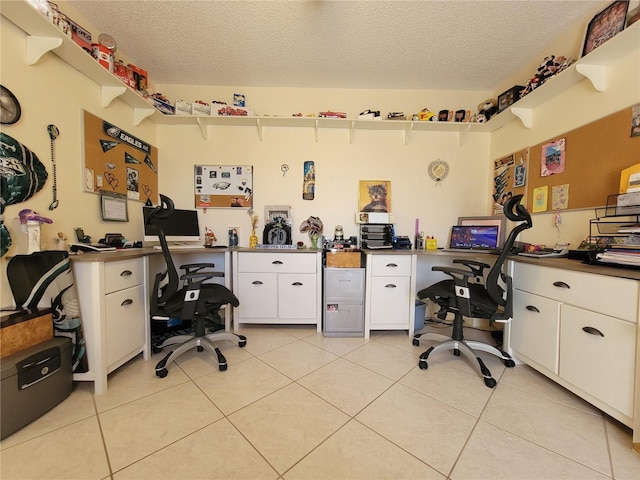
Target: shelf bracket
pixel 203 127
pixel 462 134
pixel 597 74
pixel 407 133
pixel 317 129
pixel 140 114
pixel 38 46
pixel 259 125
pixel 110 93
pixel 351 128
pixel 524 114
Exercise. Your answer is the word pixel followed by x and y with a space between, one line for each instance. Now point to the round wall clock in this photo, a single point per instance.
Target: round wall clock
pixel 438 170
pixel 9 106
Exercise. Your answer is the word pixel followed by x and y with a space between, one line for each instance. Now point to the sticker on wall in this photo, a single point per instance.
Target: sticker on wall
pixel 309 181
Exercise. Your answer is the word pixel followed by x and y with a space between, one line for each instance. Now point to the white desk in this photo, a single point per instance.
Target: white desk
pixel 114 291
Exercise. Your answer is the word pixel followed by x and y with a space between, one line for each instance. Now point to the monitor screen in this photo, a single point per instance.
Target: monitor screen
pixel 182 226
pixel 474 236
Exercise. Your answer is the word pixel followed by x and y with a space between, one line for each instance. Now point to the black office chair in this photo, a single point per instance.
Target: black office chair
pixel 189 300
pixel 465 295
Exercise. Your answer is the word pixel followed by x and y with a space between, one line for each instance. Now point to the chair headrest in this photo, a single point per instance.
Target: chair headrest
pixel 164 210
pixel 516 212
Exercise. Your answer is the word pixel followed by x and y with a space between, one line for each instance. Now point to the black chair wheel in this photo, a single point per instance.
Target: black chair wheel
pixel 423 364
pixel 242 343
pixel 199 348
pixel 509 363
pixel 222 367
pixel 162 373
pixel 490 382
pixel 416 342
pixel 155 349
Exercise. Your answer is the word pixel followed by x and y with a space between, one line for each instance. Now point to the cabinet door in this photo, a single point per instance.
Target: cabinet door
pixel 597 354
pixel 125 320
pixel 258 295
pixel 390 302
pixel 535 328
pixel 297 297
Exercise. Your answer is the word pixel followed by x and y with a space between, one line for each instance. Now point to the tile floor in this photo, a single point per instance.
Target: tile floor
pixel 296 405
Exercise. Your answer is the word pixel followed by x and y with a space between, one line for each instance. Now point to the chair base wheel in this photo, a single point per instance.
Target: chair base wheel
pixel 155 349
pixel 490 382
pixel 162 373
pixel 222 367
pixel 242 343
pixel 416 342
pixel 509 363
pixel 423 364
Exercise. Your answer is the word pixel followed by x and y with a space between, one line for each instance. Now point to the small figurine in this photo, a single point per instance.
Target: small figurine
pixel 209 237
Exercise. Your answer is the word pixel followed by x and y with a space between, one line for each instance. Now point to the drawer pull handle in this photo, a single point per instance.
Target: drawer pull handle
pixel 128 301
pixel 389 285
pixel 296 284
pixel 126 273
pixel 592 331
pixel 531 308
pixel 392 265
pixel 256 282
pixel 561 285
pixel 276 262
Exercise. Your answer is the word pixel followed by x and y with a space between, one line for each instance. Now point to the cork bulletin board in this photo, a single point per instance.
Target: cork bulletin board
pixel 594 156
pixel 118 162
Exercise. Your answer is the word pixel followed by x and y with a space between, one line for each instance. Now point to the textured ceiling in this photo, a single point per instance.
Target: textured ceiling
pixel 429 44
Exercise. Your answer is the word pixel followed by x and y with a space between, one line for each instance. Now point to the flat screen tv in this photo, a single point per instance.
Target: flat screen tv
pixel 182 226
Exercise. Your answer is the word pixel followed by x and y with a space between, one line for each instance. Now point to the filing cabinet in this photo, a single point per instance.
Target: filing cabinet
pixel 343 311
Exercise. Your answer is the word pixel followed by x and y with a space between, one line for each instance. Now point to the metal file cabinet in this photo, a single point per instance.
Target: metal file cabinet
pixel 343 312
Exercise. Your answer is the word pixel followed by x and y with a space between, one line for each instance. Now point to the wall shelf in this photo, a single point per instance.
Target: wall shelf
pixel 44 37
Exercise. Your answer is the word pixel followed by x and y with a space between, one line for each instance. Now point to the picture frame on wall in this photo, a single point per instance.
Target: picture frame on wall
pixel 606 24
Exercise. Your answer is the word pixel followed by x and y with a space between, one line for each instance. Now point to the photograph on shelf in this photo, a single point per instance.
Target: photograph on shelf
pixel 606 24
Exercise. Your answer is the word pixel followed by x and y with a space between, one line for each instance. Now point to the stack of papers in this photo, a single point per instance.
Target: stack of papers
pixel 621 255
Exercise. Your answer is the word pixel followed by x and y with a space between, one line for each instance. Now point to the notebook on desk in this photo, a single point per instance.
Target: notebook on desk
pixel 473 238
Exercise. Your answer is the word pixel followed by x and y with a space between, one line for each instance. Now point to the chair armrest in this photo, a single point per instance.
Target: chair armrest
pixel 196 266
pixel 199 277
pixel 476 267
pixel 453 272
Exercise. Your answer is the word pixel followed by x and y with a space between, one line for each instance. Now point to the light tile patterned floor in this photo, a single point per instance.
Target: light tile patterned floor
pixel 297 405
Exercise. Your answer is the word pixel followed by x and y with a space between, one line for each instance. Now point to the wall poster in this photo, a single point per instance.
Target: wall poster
pixel 223 186
pixel 117 162
pixel 510 175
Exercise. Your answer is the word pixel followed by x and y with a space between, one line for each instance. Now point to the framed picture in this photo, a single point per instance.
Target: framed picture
pixel 114 206
pixel 605 24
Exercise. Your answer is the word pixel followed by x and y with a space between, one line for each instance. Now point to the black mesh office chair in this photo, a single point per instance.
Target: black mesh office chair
pixel 465 296
pixel 189 300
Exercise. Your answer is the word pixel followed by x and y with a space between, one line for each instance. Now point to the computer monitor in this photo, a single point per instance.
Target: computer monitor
pixel 182 226
pixel 497 220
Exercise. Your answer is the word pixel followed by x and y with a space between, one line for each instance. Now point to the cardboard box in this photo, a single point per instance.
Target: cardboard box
pixel 139 79
pixel 24 329
pixel 343 259
pixel 200 108
pixel 183 108
pixel 162 105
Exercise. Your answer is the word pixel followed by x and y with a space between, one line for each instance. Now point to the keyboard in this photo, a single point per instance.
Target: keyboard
pixel 180 247
pixel 543 254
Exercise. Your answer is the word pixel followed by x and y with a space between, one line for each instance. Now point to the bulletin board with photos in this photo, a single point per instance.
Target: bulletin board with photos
pixel 118 162
pixel 223 186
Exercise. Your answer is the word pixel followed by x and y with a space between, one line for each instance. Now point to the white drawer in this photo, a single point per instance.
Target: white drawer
pixel 125 321
pixel 277 262
pixel 391 265
pixel 617 297
pixel 123 274
pixel 597 354
pixel 344 284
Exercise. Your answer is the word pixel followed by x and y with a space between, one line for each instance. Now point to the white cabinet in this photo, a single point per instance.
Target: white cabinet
pixel 114 304
pixel 579 329
pixel 277 287
pixel 390 292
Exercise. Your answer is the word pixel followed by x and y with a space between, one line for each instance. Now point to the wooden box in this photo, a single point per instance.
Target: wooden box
pixel 24 329
pixel 343 259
